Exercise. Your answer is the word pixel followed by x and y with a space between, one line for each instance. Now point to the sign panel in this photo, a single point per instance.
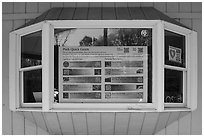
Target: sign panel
pixel 103 73
pixel 174 54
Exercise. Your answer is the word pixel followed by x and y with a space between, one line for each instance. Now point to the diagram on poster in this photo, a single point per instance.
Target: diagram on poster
pixel 103 74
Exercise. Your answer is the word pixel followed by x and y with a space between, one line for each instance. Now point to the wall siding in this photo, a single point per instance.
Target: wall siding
pixel 16 14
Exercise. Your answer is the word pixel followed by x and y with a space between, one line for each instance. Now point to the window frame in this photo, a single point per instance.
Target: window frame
pixel 15 70
pixel 110 24
pixel 189 99
pixel 158 66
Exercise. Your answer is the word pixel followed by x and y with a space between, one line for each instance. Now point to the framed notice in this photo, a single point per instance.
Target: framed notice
pixel 103 74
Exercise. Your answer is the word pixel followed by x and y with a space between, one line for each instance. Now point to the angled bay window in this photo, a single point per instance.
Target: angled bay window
pixel 103 65
pixel 31 68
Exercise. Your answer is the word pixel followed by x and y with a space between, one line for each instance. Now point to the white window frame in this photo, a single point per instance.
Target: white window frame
pixel 15 70
pixel 190 70
pixel 158 66
pixel 112 24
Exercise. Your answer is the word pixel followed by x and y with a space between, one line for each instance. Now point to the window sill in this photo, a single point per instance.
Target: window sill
pixel 168 109
pixel 103 110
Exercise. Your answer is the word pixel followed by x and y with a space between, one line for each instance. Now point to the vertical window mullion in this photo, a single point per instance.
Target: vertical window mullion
pixel 158 66
pixel 48 66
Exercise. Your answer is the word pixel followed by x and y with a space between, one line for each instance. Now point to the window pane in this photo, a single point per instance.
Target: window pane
pixel 32 86
pixel 79 37
pixel 112 72
pixel 175 49
pixel 173 86
pixel 31 49
pixel 129 37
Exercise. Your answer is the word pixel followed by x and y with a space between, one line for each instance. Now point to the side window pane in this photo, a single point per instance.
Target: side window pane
pixel 173 86
pixel 175 49
pixel 32 86
pixel 31 49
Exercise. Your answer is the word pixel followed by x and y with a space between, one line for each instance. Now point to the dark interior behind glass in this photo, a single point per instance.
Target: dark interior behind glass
pixel 175 49
pixel 31 49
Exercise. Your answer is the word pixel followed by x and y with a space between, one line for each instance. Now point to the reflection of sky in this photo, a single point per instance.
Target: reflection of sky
pixel 76 35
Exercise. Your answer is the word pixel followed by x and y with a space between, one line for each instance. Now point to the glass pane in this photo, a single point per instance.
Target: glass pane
pixel 31 49
pixel 122 63
pixel 173 86
pixel 79 37
pixel 32 86
pixel 175 49
pixel 129 37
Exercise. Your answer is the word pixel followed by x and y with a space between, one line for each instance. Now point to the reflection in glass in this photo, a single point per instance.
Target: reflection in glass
pixel 129 37
pixel 79 37
pixel 92 87
pixel 173 86
pixel 31 49
pixel 174 49
pixel 32 86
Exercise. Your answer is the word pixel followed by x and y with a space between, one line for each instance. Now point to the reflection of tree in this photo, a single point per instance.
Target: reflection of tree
pixel 129 37
pixel 91 41
pixel 62 36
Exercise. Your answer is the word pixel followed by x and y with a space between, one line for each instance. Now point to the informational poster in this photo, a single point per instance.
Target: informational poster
pixel 103 74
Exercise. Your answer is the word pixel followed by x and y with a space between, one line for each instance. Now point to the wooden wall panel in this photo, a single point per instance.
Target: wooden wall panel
pixel 66 122
pixel 52 122
pixel 121 123
pixel 160 6
pixel 7 26
pixel 146 4
pixel 134 4
pixel 185 123
pixel 121 4
pixel 57 4
pixel 107 123
pixel 197 114
pixel 93 123
pixel 197 7
pixel 80 123
pixel 172 7
pixel 40 120
pixel 7 7
pixel 135 123
pixel 69 4
pixel 32 7
pixel 185 7
pixel 18 127
pixel 30 127
pixel 149 123
pixel 41 131
pixel 172 124
pixel 19 7
pixel 162 122
pixel 43 6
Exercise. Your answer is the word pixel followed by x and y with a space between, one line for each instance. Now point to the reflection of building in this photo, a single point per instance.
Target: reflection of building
pixel 103 122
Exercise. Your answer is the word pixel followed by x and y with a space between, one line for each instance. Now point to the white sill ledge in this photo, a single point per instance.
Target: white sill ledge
pixel 103 110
